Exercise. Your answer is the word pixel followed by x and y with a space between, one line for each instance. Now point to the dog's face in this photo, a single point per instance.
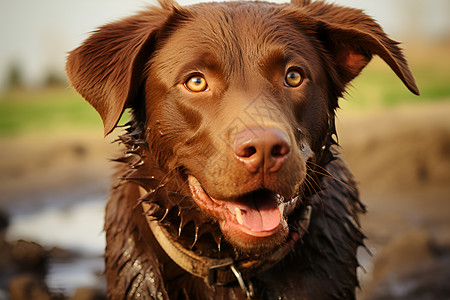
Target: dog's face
pixel 248 108
pixel 238 97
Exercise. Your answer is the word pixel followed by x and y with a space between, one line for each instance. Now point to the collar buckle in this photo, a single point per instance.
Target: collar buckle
pixel 212 278
pixel 247 289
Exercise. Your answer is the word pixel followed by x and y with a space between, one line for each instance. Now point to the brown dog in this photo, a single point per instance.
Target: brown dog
pixel 231 186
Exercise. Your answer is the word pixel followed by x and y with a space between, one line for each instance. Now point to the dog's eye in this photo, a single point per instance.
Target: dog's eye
pixel 293 78
pixel 196 83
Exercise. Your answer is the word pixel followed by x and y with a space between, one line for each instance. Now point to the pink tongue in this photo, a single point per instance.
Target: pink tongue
pixel 258 218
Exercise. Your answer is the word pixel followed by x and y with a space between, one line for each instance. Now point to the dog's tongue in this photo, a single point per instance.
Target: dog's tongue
pixel 256 216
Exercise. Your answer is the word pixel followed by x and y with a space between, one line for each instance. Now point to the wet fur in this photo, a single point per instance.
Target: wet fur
pixel 134 63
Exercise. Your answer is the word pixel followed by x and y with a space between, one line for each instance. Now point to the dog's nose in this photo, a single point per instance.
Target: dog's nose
pixel 262 149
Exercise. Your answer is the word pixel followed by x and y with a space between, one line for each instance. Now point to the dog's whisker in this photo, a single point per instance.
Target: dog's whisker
pixel 314 179
pixel 326 174
pixel 316 193
pixel 331 177
pixel 319 166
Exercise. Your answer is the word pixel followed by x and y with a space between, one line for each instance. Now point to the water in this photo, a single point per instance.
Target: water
pixel 77 228
pixel 66 276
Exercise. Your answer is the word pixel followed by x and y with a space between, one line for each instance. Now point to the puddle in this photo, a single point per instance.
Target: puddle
pixel 65 276
pixel 77 228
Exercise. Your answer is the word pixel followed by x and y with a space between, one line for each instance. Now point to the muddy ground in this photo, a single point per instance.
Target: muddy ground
pixel 400 157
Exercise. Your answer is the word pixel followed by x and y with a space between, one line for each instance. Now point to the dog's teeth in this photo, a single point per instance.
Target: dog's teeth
pixel 238 215
pixel 281 208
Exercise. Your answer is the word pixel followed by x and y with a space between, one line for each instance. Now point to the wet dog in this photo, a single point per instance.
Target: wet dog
pixel 231 185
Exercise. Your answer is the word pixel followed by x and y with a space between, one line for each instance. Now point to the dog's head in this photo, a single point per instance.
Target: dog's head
pixel 237 97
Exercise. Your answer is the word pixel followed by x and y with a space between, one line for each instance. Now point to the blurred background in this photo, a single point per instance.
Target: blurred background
pixel 54 168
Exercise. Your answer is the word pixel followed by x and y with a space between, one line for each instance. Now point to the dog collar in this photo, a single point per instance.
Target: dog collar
pixel 222 271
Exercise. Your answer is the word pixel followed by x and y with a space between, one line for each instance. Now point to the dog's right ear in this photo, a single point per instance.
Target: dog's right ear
pixel 107 68
pixel 351 38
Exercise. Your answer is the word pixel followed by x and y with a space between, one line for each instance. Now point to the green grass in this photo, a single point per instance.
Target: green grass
pixel 45 110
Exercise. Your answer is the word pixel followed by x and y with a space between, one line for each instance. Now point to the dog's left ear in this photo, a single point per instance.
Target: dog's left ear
pixel 107 68
pixel 352 38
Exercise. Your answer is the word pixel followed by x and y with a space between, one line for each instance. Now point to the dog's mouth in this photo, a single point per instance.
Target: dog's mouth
pixel 258 214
